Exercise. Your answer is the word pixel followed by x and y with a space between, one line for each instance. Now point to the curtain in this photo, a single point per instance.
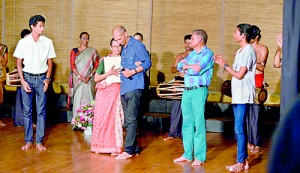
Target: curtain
pixel 290 55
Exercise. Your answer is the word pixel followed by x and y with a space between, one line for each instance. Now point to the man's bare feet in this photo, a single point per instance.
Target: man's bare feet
pixel 27 146
pixel 2 124
pixel 238 167
pixel 169 138
pixel 250 147
pixel 114 154
pixel 255 150
pixel 40 147
pixel 123 156
pixel 181 159
pixel 197 163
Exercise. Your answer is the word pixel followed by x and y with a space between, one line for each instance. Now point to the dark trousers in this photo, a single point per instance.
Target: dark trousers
pixel 130 104
pixel 176 119
pixel 254 122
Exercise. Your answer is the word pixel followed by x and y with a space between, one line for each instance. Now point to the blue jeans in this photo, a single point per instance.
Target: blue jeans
pixel 130 104
pixel 240 114
pixel 193 123
pixel 37 88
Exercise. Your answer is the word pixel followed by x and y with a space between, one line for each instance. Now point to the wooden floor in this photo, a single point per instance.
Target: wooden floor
pixel 68 151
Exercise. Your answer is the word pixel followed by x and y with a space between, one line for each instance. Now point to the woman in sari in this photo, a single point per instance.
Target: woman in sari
pixel 107 136
pixel 84 61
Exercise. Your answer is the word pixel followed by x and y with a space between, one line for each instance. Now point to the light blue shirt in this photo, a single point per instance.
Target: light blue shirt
pixel 133 52
pixel 205 59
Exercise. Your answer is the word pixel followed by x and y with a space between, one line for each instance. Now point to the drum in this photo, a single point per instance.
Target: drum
pixel 170 90
pixel 13 79
pixel 261 95
pixel 226 88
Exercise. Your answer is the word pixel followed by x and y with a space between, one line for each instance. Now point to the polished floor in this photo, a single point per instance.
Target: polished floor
pixel 68 151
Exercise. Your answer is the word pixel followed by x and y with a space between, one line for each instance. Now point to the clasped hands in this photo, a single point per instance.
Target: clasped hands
pixel 219 60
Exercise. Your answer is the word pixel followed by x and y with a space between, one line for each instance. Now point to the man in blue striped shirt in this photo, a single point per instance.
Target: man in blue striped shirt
pixel 198 70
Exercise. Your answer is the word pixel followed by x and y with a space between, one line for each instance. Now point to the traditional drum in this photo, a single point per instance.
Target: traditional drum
pixel 261 94
pixel 170 90
pixel 13 79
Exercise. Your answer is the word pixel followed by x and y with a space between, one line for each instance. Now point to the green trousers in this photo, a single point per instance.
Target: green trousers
pixel 193 127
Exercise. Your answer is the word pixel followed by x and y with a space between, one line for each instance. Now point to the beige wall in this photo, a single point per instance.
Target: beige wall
pixel 163 23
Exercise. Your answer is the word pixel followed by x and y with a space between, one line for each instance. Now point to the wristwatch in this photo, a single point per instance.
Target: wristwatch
pixel 225 66
pixel 49 79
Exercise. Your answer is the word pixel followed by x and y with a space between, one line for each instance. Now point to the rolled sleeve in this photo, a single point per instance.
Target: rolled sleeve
pixel 206 62
pixel 180 66
pixel 144 57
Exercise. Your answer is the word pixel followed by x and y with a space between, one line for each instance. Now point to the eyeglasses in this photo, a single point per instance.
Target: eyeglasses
pixel 85 38
pixel 116 46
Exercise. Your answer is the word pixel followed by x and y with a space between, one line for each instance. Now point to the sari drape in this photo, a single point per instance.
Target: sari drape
pixel 107 136
pixel 83 91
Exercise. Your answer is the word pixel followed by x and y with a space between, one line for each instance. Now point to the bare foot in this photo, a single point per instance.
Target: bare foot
pixel 169 138
pixel 246 165
pixel 238 167
pixel 40 147
pixel 250 147
pixel 27 146
pixel 255 150
pixel 197 163
pixel 181 159
pixel 2 124
pixel 114 154
pixel 123 156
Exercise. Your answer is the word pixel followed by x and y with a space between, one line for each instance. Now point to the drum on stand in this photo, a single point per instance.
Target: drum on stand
pixel 261 95
pixel 170 90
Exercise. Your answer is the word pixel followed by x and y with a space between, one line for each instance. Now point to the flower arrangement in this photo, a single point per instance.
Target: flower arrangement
pixel 84 115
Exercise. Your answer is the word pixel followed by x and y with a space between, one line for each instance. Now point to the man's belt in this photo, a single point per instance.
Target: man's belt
pixel 194 87
pixel 31 74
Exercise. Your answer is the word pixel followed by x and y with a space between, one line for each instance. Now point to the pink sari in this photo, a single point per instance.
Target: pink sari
pixel 107 136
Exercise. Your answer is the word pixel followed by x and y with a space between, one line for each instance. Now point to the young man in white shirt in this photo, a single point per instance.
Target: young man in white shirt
pixel 35 52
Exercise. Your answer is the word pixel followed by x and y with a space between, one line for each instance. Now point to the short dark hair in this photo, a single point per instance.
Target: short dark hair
pixel 111 41
pixel 84 33
pixel 202 33
pixel 35 19
pixel 140 34
pixel 243 27
pixel 25 32
pixel 187 37
pixel 254 32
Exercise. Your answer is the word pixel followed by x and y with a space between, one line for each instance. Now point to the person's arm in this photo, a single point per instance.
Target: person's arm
pixel 263 57
pixel 4 58
pixel 95 66
pixel 237 74
pixel 277 57
pixel 144 58
pixel 73 66
pixel 100 75
pixel 178 58
pixel 204 63
pixel 48 74
pixel 25 85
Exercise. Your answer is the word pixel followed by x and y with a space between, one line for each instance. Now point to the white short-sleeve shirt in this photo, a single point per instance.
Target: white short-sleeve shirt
pixel 243 91
pixel 35 54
